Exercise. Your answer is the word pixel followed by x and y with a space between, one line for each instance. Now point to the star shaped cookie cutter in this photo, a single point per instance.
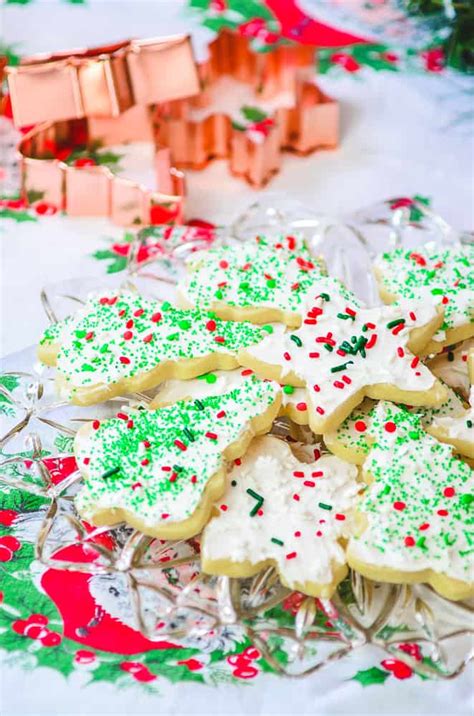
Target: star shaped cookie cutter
pixel 153 90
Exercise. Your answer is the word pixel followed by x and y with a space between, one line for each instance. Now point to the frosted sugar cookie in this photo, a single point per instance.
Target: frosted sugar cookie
pixel 351 440
pixel 221 381
pixel 279 511
pixel 161 470
pixel 122 342
pixel 451 365
pixel 416 516
pixel 442 277
pixel 343 352
pixel 457 430
pixel 258 281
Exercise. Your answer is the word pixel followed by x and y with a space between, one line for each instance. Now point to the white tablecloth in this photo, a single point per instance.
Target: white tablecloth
pixel 401 135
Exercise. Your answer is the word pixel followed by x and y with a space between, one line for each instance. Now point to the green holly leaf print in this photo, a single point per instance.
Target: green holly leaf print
pixel 64 443
pixel 19 216
pixel 34 195
pixel 388 631
pixel 118 263
pixel 9 382
pixel 109 671
pixel 20 501
pixel 374 675
pixel 253 114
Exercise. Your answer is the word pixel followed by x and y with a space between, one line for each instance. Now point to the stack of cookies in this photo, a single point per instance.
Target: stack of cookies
pixel 262 331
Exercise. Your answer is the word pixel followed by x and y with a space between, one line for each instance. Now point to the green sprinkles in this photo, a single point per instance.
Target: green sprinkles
pixel 297 340
pixel 189 434
pixel 277 541
pixel 257 273
pixel 396 322
pixel 259 501
pixel 110 473
pixel 339 368
pixel 324 506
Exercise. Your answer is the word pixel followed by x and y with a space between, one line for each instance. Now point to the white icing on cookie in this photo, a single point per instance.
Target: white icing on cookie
pixel 451 365
pixel 460 426
pixel 117 336
pixel 291 513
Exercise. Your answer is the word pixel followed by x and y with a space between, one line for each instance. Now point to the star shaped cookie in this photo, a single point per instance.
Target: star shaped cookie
pixel 343 352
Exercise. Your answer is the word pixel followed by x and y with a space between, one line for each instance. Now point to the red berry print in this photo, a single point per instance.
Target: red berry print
pixel 413 650
pixel 8 545
pixel 346 61
pixel 139 671
pixel 52 638
pixel 45 209
pixel 84 162
pixel 192 664
pixel 84 657
pixel 398 668
pixel 7 517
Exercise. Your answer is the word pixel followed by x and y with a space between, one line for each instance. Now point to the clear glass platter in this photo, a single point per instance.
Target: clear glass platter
pixel 156 587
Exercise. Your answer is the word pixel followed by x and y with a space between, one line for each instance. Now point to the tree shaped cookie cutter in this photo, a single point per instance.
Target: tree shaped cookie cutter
pixel 153 90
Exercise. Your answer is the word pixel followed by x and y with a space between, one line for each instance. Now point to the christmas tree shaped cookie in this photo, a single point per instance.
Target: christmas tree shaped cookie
pixel 343 352
pixel 351 440
pixel 122 342
pixel 259 281
pixel 161 470
pixel 416 521
pixel 283 512
pixel 441 277
pixel 452 366
pixel 221 381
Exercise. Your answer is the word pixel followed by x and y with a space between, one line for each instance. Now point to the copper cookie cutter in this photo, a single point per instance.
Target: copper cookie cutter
pixel 153 90
pixel 100 94
pixel 196 133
